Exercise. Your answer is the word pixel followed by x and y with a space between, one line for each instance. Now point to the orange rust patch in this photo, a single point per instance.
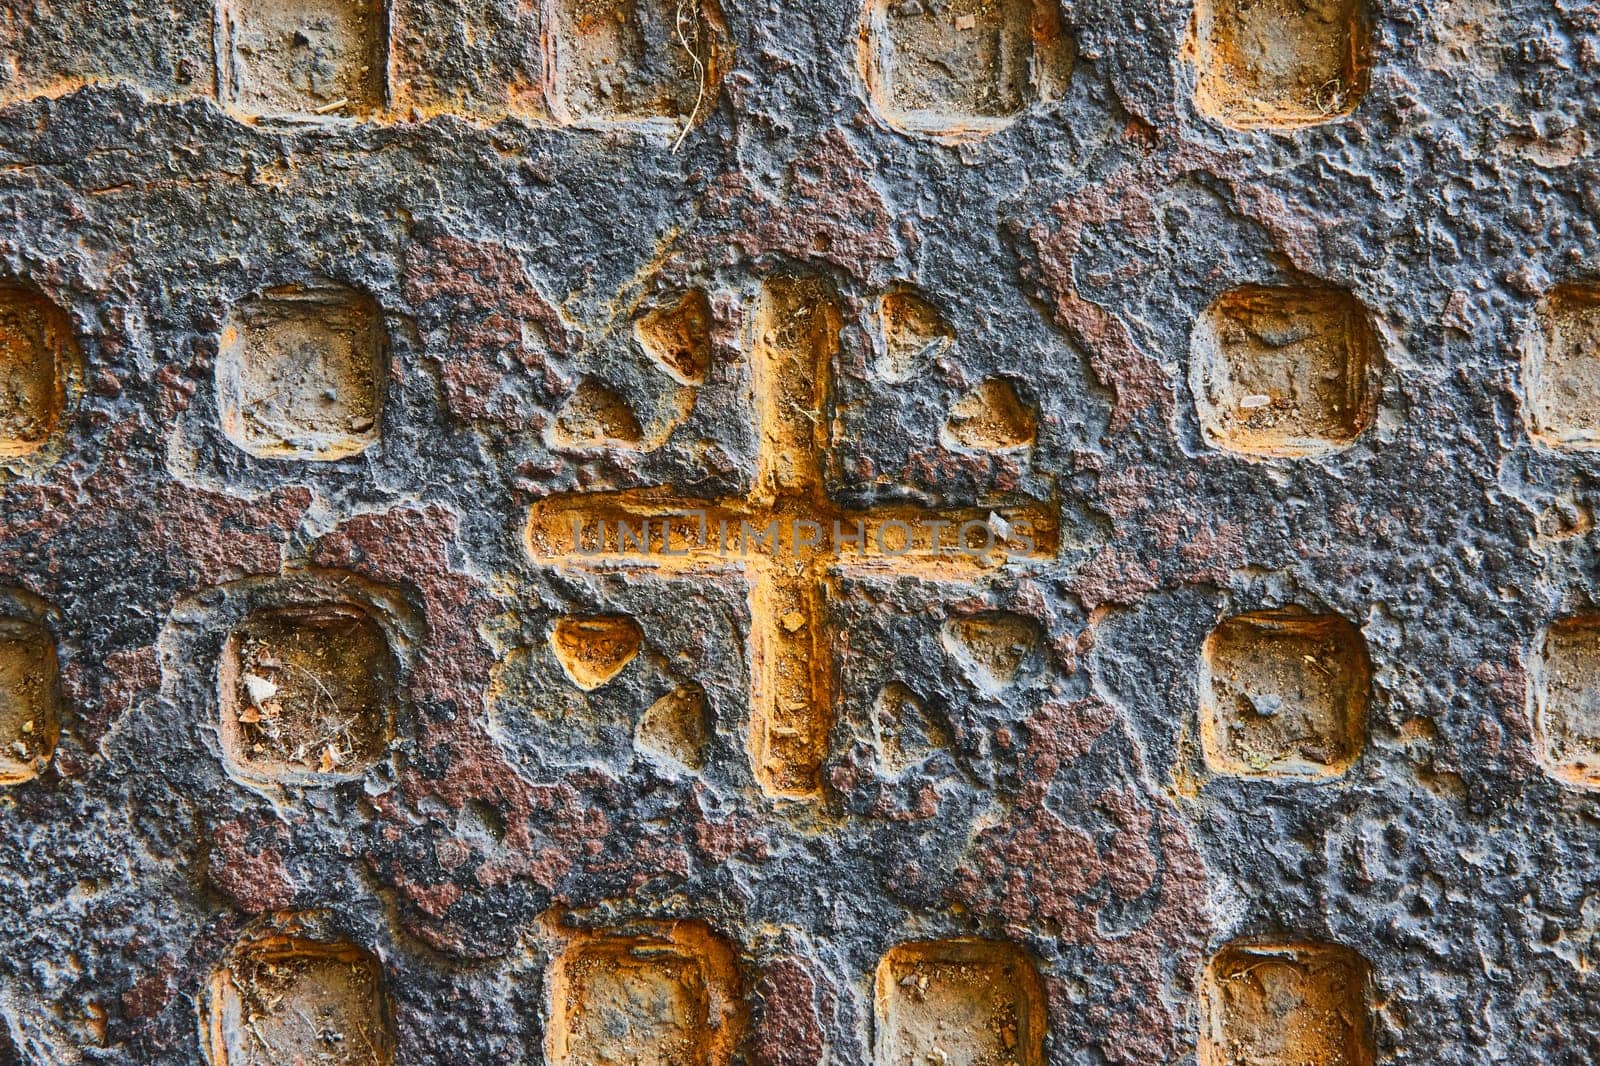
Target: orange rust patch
pixel 304 59
pixel 963 69
pixel 30 700
pixel 1283 694
pixel 300 374
pixel 663 995
pixel 1564 700
pixel 1561 370
pixel 307 695
pixel 1285 1005
pixel 37 355
pixel 977 1002
pixel 616 61
pixel 1279 64
pixel 991 418
pixel 281 999
pixel 1284 372
pixel 794 336
pixel 593 651
pixel 677 336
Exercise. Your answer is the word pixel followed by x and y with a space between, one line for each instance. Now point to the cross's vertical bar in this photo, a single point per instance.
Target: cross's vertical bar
pixel 791 709
pixel 795 335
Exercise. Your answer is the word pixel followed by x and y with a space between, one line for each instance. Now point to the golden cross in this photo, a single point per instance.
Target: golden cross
pixel 786 535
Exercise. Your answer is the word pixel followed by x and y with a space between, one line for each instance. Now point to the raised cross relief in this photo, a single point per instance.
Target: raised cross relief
pixel 787 535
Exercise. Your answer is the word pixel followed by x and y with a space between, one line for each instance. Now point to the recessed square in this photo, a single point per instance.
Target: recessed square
pixel 958 1001
pixel 36 348
pixel 1564 700
pixel 303 59
pixel 1279 66
pixel 300 374
pixel 307 695
pixel 612 61
pixel 1561 370
pixel 1283 372
pixel 1285 1005
pixel 1283 694
pixel 666 996
pixel 284 1000
pixel 30 700
pixel 966 67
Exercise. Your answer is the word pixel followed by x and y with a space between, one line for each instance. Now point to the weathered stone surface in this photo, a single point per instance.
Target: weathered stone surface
pixel 812 263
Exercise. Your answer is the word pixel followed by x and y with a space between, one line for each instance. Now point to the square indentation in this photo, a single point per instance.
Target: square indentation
pixel 666 996
pixel 967 66
pixel 632 60
pixel 1564 698
pixel 300 374
pixel 303 59
pixel 307 694
pixel 30 700
pixel 1284 372
pixel 966 1001
pixel 1283 694
pixel 35 342
pixel 1284 1005
pixel 1561 370
pixel 1286 64
pixel 285 1000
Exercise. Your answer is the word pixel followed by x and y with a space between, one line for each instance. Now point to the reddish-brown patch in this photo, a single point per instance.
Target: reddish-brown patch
pixel 476 298
pixel 833 214
pixel 787 1029
pixel 253 876
pixel 1039 875
pixel 150 994
pixel 1126 198
pixel 1113 575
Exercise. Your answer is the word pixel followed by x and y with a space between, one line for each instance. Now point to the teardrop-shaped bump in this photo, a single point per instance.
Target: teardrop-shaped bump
pixel 992 648
pixel 991 418
pixel 596 417
pixel 913 334
pixel 676 728
pixel 592 651
pixel 904 733
pixel 677 337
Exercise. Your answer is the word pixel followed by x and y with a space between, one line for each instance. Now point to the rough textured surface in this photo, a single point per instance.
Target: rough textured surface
pixel 1012 753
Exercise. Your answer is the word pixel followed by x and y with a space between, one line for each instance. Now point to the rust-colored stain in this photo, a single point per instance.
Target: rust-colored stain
pixel 659 994
pixel 1564 700
pixel 1561 369
pixel 1280 64
pixel 1285 1004
pixel 1284 372
pixel 30 699
pixel 1283 694
pixel 958 1001
pixel 961 70
pixel 283 998
pixel 307 694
